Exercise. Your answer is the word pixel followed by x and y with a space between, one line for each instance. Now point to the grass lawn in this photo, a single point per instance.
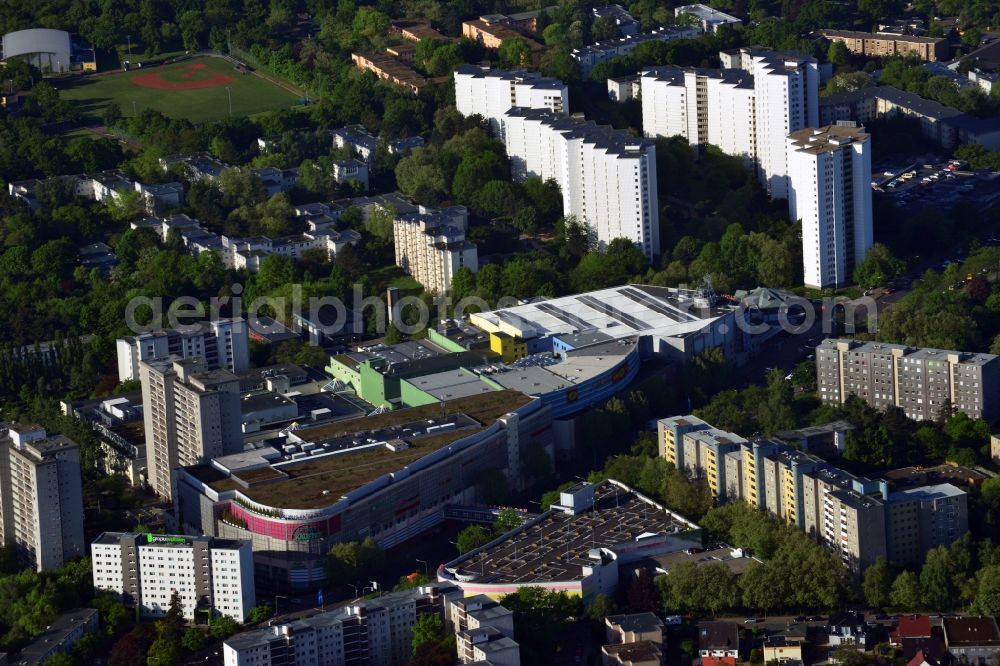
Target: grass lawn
pixel 194 89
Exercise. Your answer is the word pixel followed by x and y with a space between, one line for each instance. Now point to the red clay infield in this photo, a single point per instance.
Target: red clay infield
pixel 154 80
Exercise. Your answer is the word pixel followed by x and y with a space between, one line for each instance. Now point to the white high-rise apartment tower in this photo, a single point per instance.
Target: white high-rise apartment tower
pixel 787 99
pixel 41 496
pixel 222 343
pixel 747 112
pixel 490 93
pixel 829 171
pixel 704 106
pixel 607 178
pixel 191 415
pixel 209 575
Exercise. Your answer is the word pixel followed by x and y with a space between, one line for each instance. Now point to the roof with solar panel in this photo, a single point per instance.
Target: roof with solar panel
pixel 608 314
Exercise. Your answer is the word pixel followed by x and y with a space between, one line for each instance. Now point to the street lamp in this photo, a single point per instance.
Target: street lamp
pixel 355 587
pixel 129 38
pixel 427 569
pixel 229 94
pixel 276 597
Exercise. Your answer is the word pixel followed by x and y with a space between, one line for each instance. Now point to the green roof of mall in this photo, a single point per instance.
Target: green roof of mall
pixel 310 483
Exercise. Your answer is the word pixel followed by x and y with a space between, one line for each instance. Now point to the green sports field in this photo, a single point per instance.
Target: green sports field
pixel 194 89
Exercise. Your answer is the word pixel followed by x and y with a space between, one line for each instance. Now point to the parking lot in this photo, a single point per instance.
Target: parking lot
pixel 938 185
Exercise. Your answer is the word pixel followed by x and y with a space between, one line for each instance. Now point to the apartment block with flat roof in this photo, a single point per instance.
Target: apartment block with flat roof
pixel 191 414
pixel 787 100
pixel 223 343
pixel 210 576
pixel 41 496
pixel 920 381
pixel 431 246
pixel 704 457
pixel 784 473
pixel 885 45
pixel 367 631
pixel 483 630
pixel 829 169
pixel 491 92
pixel 670 433
pixel 607 178
pixel 854 526
pixel 922 518
pixel 856 516
pixel 705 106
pixel 746 109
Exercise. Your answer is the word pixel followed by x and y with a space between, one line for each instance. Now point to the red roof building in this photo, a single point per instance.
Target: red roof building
pixel 910 626
pixel 718 661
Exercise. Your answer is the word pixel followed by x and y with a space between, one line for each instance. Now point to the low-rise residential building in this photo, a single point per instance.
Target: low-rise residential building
pixel 850 629
pixel 719 639
pixel 525 22
pixel 357 139
pixel 431 246
pixel 634 627
pixel 41 496
pixel 623 88
pixel 588 56
pixel 626 23
pixel 405 145
pixel 248 253
pixel 351 171
pixel 369 631
pixel 995 447
pixel 391 69
pixel 210 576
pixel 711 20
pixel 975 640
pixel 195 166
pixel 827 440
pixel 98 255
pixel 118 423
pixel 104 187
pixel 643 653
pixel 983 79
pixel 277 181
pixel 920 381
pixel 493 30
pixel 885 45
pixel 941 124
pixel 160 196
pixel 910 627
pixel 782 649
pixel 634 640
pixel 58 638
pixel 416 31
